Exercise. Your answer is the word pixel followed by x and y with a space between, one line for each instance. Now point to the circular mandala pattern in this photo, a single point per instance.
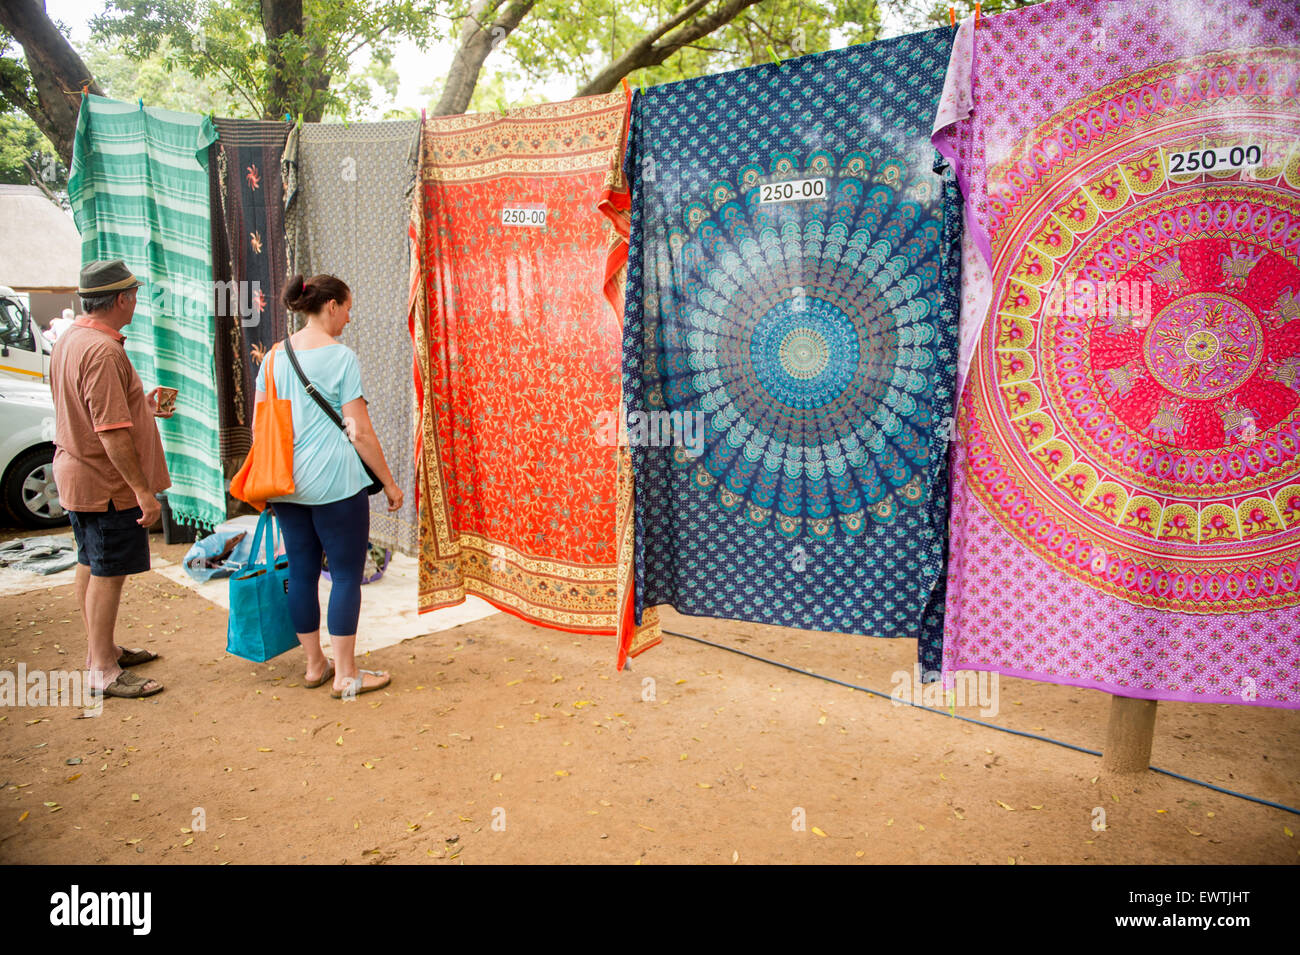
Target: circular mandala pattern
pixel 803 335
pixel 1135 416
pixel 1202 347
pixel 792 351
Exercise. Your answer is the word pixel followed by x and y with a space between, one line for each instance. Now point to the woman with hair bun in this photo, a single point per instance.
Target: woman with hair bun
pixel 328 512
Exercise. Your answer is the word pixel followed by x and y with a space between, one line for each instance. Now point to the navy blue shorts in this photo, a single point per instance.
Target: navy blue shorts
pixel 110 542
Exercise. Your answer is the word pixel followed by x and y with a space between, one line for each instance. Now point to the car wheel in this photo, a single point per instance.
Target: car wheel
pixel 29 491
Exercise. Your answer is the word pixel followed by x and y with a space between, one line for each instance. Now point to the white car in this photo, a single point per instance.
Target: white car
pixel 27 492
pixel 24 351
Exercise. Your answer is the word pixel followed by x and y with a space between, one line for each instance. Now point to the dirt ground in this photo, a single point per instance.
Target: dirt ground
pixel 499 742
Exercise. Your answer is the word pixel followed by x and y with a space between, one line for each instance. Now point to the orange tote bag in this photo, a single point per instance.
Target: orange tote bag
pixel 268 470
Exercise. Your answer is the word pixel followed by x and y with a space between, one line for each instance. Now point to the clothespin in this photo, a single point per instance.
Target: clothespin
pixel 300 120
pixel 772 53
pixel 85 89
pixel 952 16
pixel 141 102
pixel 501 106
pixel 422 116
pixel 977 14
pixel 288 117
pixel 640 80
pixel 626 89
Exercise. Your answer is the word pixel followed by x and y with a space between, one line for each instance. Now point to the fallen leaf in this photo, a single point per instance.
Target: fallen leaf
pixel 188 842
pixel 496 777
pixel 263 749
pixel 1005 806
pixel 135 797
pixel 73 778
pixel 818 832
pixel 561 772
pixel 368 764
pixel 514 682
pixel 1289 833
pixel 705 785
pixel 24 816
pixel 339 741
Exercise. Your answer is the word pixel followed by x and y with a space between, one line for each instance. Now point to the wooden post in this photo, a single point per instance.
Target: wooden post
pixel 1128 735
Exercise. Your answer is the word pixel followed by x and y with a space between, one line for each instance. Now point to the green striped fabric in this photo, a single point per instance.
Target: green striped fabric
pixel 139 192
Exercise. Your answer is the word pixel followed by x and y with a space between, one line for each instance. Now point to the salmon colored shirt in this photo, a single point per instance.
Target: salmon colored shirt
pixel 96 389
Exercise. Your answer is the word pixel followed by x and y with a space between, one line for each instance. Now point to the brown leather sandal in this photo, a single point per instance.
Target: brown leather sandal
pixel 134 658
pixel 128 686
pixel 324 677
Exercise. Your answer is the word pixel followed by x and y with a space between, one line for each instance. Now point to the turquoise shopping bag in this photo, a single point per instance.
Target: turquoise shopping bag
pixel 259 627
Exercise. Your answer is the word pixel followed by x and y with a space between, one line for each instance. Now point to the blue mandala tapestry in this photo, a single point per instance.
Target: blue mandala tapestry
pixel 790 343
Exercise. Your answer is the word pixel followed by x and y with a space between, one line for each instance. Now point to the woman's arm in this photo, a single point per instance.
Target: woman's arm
pixel 367 444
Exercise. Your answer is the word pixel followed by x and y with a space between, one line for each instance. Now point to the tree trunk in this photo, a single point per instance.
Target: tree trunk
pixel 55 67
pixel 481 35
pixel 279 18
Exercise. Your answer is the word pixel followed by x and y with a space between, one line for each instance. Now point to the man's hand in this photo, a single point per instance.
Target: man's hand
pixel 152 398
pixel 151 507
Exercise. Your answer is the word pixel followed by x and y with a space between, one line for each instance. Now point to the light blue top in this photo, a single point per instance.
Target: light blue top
pixel 326 467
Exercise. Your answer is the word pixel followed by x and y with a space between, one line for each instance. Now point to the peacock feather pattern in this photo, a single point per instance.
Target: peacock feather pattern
pixel 814 340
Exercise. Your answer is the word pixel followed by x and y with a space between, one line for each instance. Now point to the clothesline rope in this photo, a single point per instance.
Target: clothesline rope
pixel 967 719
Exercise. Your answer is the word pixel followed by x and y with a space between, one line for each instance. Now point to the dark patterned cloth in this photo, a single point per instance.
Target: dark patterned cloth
pixel 790 343
pixel 248 251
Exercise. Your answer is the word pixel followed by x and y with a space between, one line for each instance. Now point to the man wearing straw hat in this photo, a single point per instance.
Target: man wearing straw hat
pixel 108 466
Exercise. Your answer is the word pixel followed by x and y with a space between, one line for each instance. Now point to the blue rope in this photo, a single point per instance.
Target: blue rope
pixel 967 719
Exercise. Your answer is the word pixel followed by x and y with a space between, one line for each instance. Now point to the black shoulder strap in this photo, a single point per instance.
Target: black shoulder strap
pixel 311 389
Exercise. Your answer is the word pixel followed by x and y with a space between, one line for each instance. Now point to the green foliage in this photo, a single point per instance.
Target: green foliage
pixel 553 41
pixel 152 80
pixel 224 41
pixel 20 140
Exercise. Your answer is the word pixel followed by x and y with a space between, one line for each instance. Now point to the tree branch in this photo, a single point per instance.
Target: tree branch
pixel 647 52
pixel 477 42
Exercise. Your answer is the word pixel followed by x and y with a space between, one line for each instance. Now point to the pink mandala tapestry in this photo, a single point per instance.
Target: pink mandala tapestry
pixel 1127 482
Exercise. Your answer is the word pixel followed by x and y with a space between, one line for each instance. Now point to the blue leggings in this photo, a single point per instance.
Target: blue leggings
pixel 340 530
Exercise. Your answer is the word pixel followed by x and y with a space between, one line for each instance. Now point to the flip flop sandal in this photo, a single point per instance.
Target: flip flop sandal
pixel 361 687
pixel 324 678
pixel 128 686
pixel 134 658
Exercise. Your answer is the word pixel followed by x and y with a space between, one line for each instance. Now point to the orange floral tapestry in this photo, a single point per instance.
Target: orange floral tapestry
pixel 518 238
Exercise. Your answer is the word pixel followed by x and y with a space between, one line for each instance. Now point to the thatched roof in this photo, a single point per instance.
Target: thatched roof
pixel 40 249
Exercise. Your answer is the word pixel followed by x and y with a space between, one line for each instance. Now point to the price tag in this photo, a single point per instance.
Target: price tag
pixel 1223 159
pixel 523 215
pixel 791 190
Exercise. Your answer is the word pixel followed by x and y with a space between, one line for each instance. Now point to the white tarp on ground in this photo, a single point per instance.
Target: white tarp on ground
pixel 388 606
pixel 388 614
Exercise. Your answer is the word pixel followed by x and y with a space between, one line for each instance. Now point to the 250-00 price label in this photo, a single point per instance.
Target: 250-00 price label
pixel 1222 159
pixel 523 215
pixel 791 190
